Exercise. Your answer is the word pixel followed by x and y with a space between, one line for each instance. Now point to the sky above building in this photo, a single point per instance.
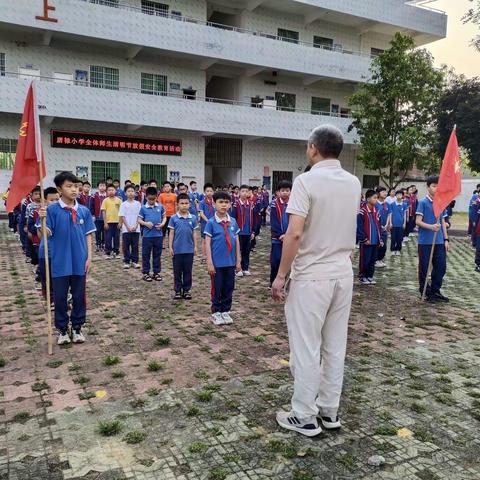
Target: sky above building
pixel 455 50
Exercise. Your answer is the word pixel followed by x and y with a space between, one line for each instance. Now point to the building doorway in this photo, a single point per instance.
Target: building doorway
pixel 223 161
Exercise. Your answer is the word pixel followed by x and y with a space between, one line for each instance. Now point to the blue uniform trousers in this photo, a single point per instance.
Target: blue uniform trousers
pixel 275 257
pixel 112 239
pixel 61 285
pixel 151 248
pixel 439 267
pixel 130 247
pixel 397 239
pixel 223 285
pixel 99 233
pixel 182 272
pixel 368 257
pixel 245 245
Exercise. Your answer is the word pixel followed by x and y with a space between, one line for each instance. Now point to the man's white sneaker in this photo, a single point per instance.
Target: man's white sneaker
pixel 78 337
pixel 364 281
pixel 217 318
pixel 135 265
pixel 239 274
pixel 227 319
pixel 372 281
pixel 63 339
pixel 126 266
pixel 330 423
pixel 246 273
pixel 380 264
pixel 308 427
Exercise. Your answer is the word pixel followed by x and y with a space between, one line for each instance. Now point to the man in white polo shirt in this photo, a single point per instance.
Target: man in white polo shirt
pixel 317 247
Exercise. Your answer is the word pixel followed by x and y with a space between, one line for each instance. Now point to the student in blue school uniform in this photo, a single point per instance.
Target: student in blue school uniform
pixel 223 257
pixel 242 212
pixel 206 211
pixel 152 217
pixel 369 237
pixel 279 225
pixel 384 211
pixel 70 227
pixel 195 197
pixel 476 233
pixel 397 222
pixel 428 224
pixel 472 217
pixel 183 246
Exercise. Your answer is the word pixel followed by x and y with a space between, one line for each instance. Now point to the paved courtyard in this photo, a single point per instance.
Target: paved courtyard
pixel 158 392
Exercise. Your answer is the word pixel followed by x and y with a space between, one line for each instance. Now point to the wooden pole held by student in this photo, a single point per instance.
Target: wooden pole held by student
pixel 430 262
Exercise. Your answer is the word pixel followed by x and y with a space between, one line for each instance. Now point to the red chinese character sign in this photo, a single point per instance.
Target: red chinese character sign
pixel 115 143
pixel 47 8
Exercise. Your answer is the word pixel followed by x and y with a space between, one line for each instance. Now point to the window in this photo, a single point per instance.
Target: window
pixel 176 15
pixel 288 35
pixel 153 172
pixel 285 101
pixel 2 64
pixel 104 77
pixel 320 105
pixel 154 84
pixel 371 181
pixel 102 170
pixel 345 112
pixel 154 8
pixel 375 52
pixel 8 147
pixel 108 3
pixel 323 42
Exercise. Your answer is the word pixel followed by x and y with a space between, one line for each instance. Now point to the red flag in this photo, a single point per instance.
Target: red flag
pixel 29 161
pixel 450 182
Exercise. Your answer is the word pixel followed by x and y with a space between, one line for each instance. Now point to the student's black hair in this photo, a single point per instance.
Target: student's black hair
pixel 86 183
pixel 101 181
pixel 400 191
pixel 116 180
pixel 127 181
pixel 63 177
pixel 108 178
pixel 284 184
pixel 244 186
pixel 391 190
pixel 152 181
pixel 478 187
pixel 369 193
pixel 36 189
pixel 432 179
pixel 181 184
pixel 381 189
pixel 221 196
pixel 182 196
pixel 110 185
pixel 50 191
pixel 131 185
pixel 208 185
pixel 151 191
pixel 192 182
pixel 166 182
pixel 143 182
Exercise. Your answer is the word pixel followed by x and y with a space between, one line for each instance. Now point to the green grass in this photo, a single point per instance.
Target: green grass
pixel 198 447
pixel 39 386
pixel 204 396
pixel 82 380
pixel 423 435
pixel 74 367
pixel 108 428
pixel 54 363
pixel 86 395
pixel 285 449
pixel 21 417
pixel 2 362
pixel 347 460
pixel 135 437
pixel 138 403
pixel 259 338
pixel 162 341
pixel 217 473
pixel 193 411
pixel 154 366
pixel 110 360
pixel 118 374
pixel 153 392
pixel 385 430
pixel 418 407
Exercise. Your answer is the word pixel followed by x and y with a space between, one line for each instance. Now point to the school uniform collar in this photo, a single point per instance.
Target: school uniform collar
pixel 247 201
pixel 429 197
pixel 64 205
pixel 152 206
pixel 186 217
pixel 326 163
pixel 219 220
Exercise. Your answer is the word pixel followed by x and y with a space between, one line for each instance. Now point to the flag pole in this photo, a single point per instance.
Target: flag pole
pixel 430 261
pixel 39 152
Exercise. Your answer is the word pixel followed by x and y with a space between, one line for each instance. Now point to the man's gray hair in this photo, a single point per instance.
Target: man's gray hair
pixel 328 139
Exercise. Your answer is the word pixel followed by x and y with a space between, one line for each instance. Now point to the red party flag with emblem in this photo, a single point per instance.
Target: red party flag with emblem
pixel 450 182
pixel 29 167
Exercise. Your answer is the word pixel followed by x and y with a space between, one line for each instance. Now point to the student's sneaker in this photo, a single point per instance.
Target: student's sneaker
pixel 177 296
pixel 406 239
pixel 227 319
pixel 380 264
pixel 38 286
pixel 126 266
pixel 78 337
pixel 114 256
pixel 364 281
pixel 246 273
pixel 372 281
pixel 107 257
pixel 63 338
pixel 308 427
pixel 146 277
pixel 187 295
pixel 239 274
pixel 440 297
pixel 157 277
pixel 52 306
pixel 217 318
pixel 69 298
pixel 97 249
pixel 136 265
pixel 477 268
pixel 330 423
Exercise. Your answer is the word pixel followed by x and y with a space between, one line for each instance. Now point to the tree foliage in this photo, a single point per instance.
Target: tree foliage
pixel 460 105
pixel 473 16
pixel 394 112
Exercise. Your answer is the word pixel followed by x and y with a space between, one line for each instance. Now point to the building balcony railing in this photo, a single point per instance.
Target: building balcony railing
pixel 132 106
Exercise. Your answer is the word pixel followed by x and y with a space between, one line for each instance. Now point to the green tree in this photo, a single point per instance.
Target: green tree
pixel 460 105
pixel 394 112
pixel 473 16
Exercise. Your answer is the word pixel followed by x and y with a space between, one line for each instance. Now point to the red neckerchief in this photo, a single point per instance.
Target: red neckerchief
pixel 226 225
pixel 73 212
pixel 366 221
pixel 242 212
pixel 209 204
pixel 280 207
